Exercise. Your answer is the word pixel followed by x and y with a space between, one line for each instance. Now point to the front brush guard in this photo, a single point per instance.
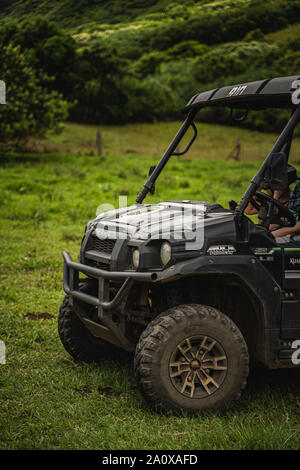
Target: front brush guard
pixel 106 329
pixel 70 283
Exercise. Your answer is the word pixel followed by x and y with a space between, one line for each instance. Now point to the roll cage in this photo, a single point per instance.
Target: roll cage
pixel 279 92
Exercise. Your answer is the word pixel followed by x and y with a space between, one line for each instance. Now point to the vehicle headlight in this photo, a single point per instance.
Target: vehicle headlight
pixel 165 253
pixel 136 258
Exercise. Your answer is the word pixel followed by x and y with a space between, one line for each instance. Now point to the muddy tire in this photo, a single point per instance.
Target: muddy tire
pixel 192 358
pixel 75 337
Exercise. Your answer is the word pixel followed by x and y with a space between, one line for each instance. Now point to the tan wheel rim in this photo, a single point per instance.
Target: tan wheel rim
pixel 198 366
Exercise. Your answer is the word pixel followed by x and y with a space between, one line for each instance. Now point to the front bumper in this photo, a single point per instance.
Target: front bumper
pixel 102 301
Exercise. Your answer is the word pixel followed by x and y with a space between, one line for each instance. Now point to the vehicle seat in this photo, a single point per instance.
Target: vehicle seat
pixel 289 241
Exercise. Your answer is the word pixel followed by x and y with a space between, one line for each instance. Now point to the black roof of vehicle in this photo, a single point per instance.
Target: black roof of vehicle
pixel 270 93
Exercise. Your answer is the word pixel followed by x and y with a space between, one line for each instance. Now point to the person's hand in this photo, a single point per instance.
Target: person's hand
pixel 250 210
pixel 282 232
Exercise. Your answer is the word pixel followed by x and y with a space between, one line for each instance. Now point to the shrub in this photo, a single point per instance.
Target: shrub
pixel 148 63
pixel 234 58
pixel 148 99
pixel 255 35
pixel 30 109
pixel 187 49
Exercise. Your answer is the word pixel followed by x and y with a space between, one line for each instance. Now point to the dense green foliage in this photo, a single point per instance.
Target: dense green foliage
pixel 117 62
pixel 30 107
pixel 88 79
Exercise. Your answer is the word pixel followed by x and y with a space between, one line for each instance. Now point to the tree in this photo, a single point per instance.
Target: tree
pixel 31 109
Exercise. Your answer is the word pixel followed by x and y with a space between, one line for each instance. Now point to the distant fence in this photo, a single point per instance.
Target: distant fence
pixel 236 152
pixel 99 142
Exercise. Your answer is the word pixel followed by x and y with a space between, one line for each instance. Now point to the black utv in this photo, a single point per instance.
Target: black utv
pixel 194 289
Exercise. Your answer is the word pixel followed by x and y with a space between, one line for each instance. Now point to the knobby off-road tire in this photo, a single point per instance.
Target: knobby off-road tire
pixel 75 337
pixel 192 358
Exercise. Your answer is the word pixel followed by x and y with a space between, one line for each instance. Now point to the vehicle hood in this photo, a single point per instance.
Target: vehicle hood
pixel 171 219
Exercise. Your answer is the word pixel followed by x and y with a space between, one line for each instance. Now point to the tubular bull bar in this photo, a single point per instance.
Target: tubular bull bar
pixel 71 276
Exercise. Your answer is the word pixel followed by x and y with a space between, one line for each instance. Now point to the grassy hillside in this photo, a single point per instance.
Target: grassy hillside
pixel 117 62
pixel 214 142
pixel 88 13
pixel 70 13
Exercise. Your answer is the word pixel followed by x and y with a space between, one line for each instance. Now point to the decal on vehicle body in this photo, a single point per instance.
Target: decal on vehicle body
pixel 266 258
pixel 262 251
pixel 221 250
pixel 237 90
pixel 294 274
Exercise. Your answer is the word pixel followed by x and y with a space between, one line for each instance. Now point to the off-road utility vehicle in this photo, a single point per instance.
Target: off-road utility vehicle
pixel 194 300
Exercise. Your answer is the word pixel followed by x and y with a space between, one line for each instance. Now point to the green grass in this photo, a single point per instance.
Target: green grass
pixel 213 142
pixel 285 33
pixel 46 400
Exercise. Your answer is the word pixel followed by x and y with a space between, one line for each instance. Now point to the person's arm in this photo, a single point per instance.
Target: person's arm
pixel 281 232
pixel 277 195
pixel 273 226
pixel 250 209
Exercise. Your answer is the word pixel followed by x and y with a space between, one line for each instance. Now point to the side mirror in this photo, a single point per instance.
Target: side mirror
pixel 232 204
pixel 276 176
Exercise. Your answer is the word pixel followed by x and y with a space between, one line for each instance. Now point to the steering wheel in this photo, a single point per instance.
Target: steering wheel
pixel 265 205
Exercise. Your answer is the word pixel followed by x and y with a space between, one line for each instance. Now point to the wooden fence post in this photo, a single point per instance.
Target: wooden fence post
pixel 236 152
pixel 99 142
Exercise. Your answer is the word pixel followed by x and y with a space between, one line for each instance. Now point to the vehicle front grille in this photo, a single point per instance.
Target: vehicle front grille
pixel 97 264
pixel 98 252
pixel 106 245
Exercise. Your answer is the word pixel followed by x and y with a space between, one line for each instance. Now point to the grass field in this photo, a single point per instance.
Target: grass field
pixel 213 142
pixel 46 400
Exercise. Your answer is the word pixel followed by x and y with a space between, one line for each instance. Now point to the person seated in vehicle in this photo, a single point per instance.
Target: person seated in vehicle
pixel 292 202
